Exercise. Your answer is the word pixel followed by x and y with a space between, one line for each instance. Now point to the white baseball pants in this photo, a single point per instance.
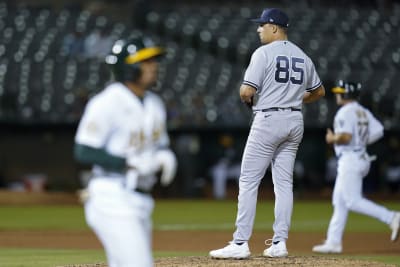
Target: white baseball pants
pixel 121 219
pixel 347 195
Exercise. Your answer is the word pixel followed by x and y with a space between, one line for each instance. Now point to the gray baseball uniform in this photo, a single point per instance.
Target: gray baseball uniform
pixel 281 73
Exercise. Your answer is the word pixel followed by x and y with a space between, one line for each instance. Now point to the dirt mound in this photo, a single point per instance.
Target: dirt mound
pixel 265 262
pixel 303 261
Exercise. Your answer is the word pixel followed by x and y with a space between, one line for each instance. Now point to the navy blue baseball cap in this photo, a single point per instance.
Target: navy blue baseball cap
pixel 273 16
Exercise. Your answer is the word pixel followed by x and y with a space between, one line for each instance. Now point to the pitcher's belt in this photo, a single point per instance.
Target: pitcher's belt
pixel 280 109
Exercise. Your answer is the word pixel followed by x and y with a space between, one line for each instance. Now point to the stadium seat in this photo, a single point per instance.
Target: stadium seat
pixel 207 51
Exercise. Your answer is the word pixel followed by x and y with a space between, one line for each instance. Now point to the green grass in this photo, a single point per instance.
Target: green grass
pixel 10 257
pixel 386 259
pixel 22 257
pixel 168 215
pixel 42 218
pixel 189 215
pixel 211 215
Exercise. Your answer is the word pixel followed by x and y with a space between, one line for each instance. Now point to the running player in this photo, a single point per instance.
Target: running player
pixel 123 134
pixel 354 128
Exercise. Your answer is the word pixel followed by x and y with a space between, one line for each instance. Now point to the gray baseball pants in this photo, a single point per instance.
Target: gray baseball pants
pixel 273 139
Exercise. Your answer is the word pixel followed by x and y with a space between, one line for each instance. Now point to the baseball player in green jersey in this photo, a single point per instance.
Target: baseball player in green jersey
pixel 122 133
pixel 283 77
pixel 354 128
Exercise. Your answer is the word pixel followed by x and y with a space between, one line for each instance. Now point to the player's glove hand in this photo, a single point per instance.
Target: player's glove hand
pixel 168 165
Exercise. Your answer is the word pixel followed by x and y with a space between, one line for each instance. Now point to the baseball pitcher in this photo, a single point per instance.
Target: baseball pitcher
pixel 122 133
pixel 354 128
pixel 282 77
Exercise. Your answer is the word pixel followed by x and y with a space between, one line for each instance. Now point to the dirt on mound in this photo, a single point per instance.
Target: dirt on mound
pixel 265 262
pixel 303 261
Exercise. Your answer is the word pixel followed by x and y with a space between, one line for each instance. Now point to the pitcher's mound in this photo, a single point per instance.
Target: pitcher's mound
pixel 265 262
pixel 304 261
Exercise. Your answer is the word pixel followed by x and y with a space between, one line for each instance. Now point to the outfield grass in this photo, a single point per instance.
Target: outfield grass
pixel 42 217
pixel 189 215
pixel 48 257
pixel 308 216
pixel 168 215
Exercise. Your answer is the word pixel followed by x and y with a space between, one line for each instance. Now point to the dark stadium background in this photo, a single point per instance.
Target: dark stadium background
pixel 43 88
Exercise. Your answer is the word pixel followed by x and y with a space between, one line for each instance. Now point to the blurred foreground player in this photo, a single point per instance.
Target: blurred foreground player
pixel 354 128
pixel 122 133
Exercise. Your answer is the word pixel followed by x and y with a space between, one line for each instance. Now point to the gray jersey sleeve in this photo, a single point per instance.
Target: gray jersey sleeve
pixel 255 72
pixel 313 81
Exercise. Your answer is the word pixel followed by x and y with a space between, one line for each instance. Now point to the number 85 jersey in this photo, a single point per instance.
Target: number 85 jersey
pixel 354 119
pixel 281 73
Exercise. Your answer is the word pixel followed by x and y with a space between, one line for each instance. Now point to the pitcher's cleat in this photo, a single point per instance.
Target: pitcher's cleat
pixel 276 250
pixel 232 251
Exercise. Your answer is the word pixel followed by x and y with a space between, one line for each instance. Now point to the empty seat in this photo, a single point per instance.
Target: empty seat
pixel 208 50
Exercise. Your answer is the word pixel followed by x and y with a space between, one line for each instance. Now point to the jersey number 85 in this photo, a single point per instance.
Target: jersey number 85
pixel 283 67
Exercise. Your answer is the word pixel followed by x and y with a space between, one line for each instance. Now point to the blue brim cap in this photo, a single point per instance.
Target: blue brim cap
pixel 273 16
